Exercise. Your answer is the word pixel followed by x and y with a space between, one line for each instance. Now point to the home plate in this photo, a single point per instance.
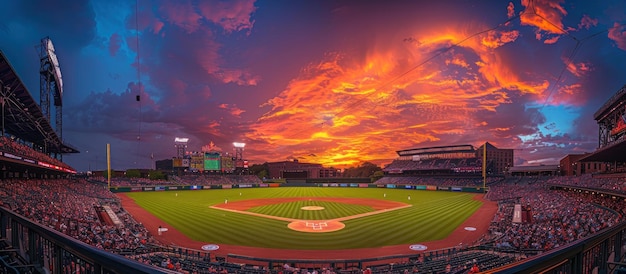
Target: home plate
pixel 470 228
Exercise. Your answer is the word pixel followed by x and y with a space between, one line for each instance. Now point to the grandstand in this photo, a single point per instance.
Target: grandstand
pixel 54 222
pixel 455 159
pixel 436 160
pixel 29 141
pixel 611 119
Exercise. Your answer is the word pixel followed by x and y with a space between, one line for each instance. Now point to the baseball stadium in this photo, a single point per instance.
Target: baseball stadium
pixel 444 209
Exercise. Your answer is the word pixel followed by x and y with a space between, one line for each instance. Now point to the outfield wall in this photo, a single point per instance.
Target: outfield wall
pixel 343 185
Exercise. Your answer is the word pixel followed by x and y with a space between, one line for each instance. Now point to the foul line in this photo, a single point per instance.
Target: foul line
pixel 296 220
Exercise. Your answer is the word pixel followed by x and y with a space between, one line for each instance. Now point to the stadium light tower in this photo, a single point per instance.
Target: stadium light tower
pixel 50 81
pixel 181 146
pixel 239 150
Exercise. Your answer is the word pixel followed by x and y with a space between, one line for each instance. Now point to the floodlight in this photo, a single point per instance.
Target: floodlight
pixel 239 145
pixel 55 63
pixel 181 140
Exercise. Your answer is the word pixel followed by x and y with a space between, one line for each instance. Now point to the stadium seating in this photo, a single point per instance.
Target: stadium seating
pixel 15 148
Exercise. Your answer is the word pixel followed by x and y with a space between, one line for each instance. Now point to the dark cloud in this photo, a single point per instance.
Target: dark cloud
pixel 526 120
pixel 68 23
pixel 230 15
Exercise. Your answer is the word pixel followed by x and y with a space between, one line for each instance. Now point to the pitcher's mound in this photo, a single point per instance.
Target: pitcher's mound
pixel 312 208
pixel 316 226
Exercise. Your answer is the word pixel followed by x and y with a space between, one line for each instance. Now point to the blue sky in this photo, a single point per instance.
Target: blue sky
pixel 333 82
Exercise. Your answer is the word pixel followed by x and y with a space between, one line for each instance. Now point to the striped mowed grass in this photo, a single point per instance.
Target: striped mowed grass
pixel 432 216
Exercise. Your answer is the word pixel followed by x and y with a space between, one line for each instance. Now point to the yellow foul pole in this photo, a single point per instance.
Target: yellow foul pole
pixel 485 167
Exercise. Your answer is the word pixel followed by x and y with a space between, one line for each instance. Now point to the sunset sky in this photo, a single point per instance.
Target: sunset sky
pixel 330 82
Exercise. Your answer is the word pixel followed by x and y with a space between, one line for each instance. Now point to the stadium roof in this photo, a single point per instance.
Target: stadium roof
pixel 437 149
pixel 489 146
pixel 615 152
pixel 23 118
pixel 615 101
pixel 538 168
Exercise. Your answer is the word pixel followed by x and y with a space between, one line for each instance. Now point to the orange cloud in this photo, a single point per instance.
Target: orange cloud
pixel 495 39
pixel 568 95
pixel 233 110
pixel 552 40
pixel 510 10
pixel 578 69
pixel 546 15
pixel 239 77
pixel 213 128
pixel 458 60
pixel 347 109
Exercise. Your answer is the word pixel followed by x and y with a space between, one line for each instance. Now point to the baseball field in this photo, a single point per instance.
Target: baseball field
pixel 310 218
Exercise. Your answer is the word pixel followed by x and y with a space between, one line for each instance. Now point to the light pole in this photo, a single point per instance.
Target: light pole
pixel 239 156
pixel 88 162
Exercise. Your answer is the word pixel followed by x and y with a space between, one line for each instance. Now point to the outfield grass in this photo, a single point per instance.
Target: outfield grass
pixel 433 216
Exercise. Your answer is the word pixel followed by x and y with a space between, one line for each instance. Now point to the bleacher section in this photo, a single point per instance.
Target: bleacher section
pixel 437 181
pixel 16 149
pixel 463 165
pixel 197 179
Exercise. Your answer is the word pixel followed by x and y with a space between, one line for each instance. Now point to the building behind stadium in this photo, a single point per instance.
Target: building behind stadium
pixel 297 170
pixel 454 159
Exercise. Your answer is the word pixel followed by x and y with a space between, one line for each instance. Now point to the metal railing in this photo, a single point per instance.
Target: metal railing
pixel 44 248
